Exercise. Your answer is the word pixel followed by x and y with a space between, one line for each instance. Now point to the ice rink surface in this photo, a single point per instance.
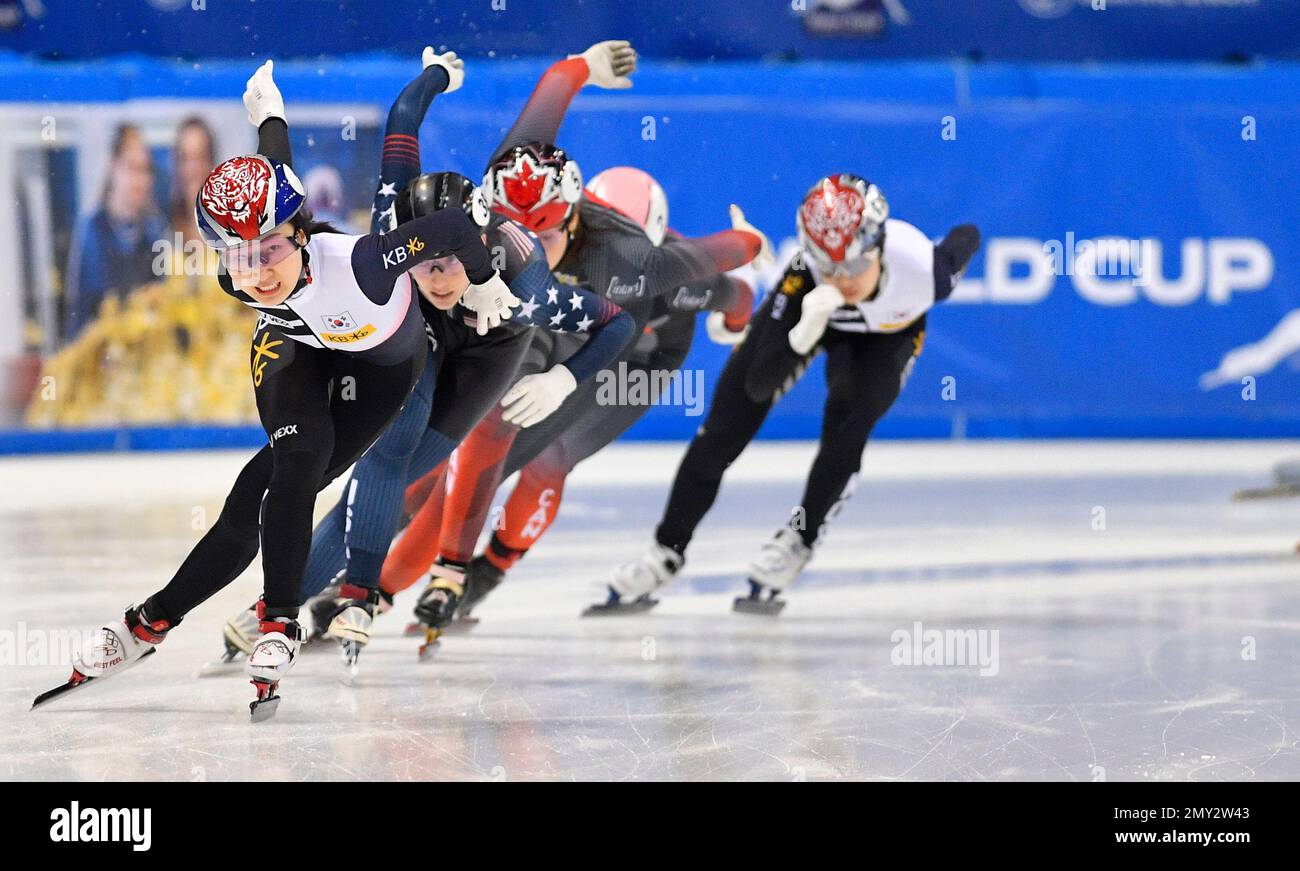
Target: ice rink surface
pixel 1145 627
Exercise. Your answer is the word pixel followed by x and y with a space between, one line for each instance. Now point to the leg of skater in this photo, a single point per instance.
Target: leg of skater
pixel 864 376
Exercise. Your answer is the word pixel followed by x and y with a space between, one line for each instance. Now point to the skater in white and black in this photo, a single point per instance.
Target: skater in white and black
pixel 337 349
pixel 858 291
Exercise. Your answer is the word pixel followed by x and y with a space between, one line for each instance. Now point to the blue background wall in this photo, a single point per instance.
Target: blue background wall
pixel 683 29
pixel 1041 151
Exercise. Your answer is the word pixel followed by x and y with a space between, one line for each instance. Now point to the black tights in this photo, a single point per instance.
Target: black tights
pixel 321 410
pixel 864 374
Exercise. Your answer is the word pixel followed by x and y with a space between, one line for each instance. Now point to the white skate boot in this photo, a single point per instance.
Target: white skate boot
pixel 778 563
pixel 272 657
pixel 113 648
pixel 633 582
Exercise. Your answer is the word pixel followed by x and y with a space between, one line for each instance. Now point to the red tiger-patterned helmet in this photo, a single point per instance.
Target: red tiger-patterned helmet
pixel 841 220
pixel 245 198
pixel 535 184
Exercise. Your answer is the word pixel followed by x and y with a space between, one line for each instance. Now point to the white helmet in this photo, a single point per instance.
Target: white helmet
pixel 636 194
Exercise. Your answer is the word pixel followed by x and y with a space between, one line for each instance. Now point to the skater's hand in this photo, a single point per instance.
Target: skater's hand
pixel 491 302
pixel 534 397
pixel 261 96
pixel 609 64
pixel 818 304
pixel 763 258
pixel 454 67
pixel 716 324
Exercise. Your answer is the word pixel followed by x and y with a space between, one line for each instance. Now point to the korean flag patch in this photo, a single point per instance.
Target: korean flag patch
pixel 339 322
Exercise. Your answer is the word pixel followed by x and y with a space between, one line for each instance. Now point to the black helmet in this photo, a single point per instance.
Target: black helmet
pixel 432 191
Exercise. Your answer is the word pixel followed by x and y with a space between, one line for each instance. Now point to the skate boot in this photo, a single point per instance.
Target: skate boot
pixel 352 621
pixel 778 563
pixel 438 602
pixel 326 604
pixel 113 648
pixel 270 660
pixel 323 606
pixel 481 577
pixel 629 591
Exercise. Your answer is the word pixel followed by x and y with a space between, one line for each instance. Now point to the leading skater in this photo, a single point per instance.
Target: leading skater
pixel 858 291
pixel 337 350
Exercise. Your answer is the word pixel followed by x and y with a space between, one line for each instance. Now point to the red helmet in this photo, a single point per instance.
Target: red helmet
pixel 534 184
pixel 841 220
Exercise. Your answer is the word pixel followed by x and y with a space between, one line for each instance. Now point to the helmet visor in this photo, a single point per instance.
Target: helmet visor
pixel 258 254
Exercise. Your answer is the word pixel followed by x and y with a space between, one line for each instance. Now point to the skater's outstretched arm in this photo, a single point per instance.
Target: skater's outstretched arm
pixel 265 108
pixel 951 257
pixel 605 65
pixel 400 162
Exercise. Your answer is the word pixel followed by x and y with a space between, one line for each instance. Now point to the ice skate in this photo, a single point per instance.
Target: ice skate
pixel 438 603
pixel 481 577
pixel 270 660
pixel 629 591
pixel 778 563
pixel 352 621
pixel 113 648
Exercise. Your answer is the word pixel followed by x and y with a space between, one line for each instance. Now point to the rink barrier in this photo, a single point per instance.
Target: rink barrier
pixel 667 428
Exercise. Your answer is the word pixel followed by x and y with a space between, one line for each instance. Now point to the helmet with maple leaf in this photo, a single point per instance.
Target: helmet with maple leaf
pixel 535 184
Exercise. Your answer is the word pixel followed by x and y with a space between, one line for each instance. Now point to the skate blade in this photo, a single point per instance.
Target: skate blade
pixel 351 651
pixel 230 662
pixel 64 690
pixel 261 710
pixel 761 607
pixel 619 608
pixel 1279 491
pixel 431 643
pixel 220 667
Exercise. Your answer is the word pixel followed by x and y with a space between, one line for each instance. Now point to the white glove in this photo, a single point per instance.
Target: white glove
pixel 815 314
pixel 534 397
pixel 609 63
pixel 763 258
pixel 491 301
pixel 716 324
pixel 454 66
pixel 261 96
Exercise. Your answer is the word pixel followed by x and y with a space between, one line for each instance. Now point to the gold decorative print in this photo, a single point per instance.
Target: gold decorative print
pixel 262 348
pixel 792 285
pixel 347 338
pixel 415 246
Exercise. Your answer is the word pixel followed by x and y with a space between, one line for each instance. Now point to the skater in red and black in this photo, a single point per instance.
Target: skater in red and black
pixel 588 243
pixel 858 292
pixel 332 307
pixel 544 459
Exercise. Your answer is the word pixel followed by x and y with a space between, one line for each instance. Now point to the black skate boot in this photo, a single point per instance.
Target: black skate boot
pixel 482 576
pixel 438 602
